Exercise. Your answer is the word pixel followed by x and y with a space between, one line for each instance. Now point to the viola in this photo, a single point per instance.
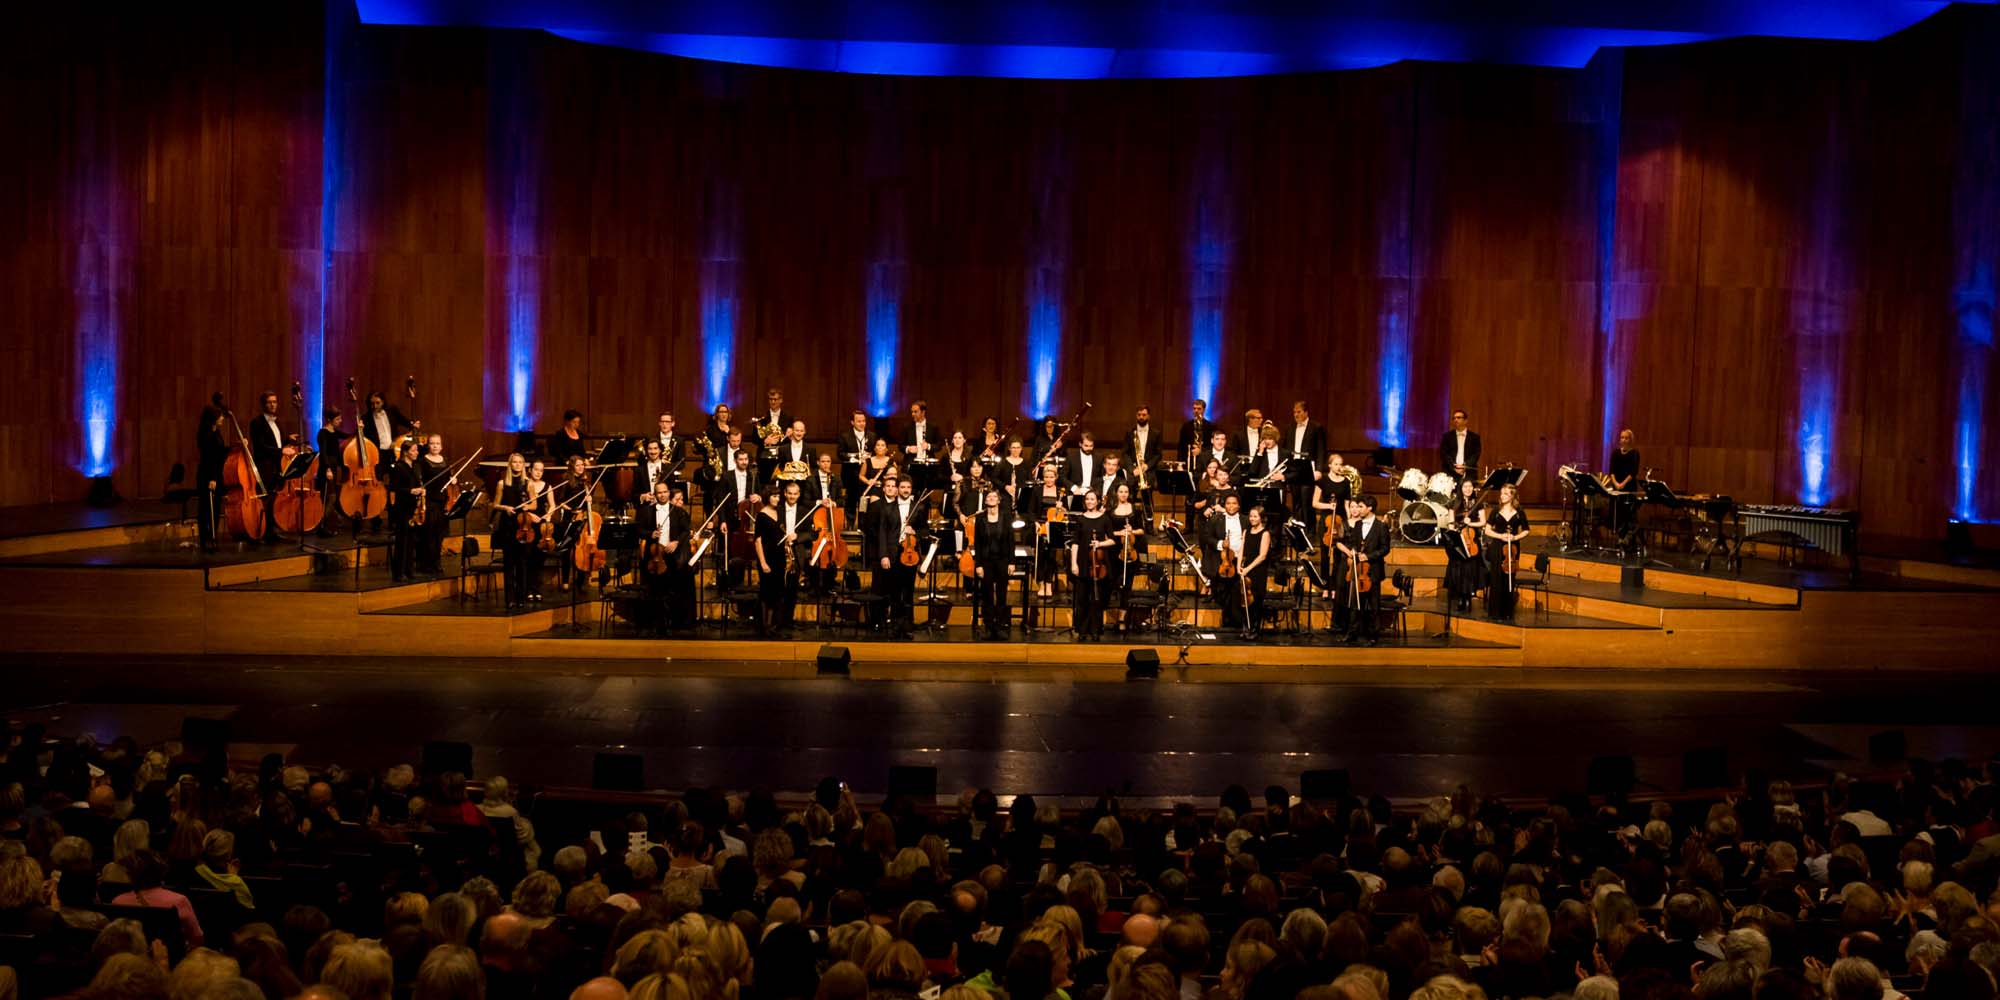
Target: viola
pixel 528 523
pixel 1364 572
pixel 1336 526
pixel 656 556
pixel 242 484
pixel 363 497
pixel 1225 567
pixel 909 555
pixel 1099 564
pixel 1470 538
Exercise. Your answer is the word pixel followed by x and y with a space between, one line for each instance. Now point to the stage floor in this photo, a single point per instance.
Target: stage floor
pixel 1405 732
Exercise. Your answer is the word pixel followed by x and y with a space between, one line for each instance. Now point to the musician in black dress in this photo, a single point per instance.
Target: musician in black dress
pixel 212 451
pixel 1129 524
pixel 1014 472
pixel 719 428
pixel 1041 498
pixel 522 494
pixel 1625 487
pixel 405 485
pixel 1330 492
pixel 568 440
pixel 329 441
pixel 1260 549
pixel 435 473
pixel 1465 566
pixel 570 499
pixel 784 527
pixel 1089 535
pixel 1507 526
pixel 1367 542
pixel 992 549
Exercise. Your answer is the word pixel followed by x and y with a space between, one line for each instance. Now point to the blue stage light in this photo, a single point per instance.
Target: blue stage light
pixel 1974 304
pixel 1209 253
pixel 718 329
pixel 885 283
pixel 1392 367
pixel 1045 318
pixel 99 277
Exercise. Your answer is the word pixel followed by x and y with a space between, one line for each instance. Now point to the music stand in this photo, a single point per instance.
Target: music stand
pixel 1176 483
pixel 1585 487
pixel 1185 551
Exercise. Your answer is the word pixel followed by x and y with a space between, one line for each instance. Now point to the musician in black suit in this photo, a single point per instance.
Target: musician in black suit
pixel 1082 467
pixel 663 520
pixel 267 441
pixel 1245 440
pixel 1304 442
pixel 1195 433
pixel 212 450
pixel 653 470
pixel 673 447
pixel 784 527
pixel 774 413
pixel 793 448
pixel 1458 452
pixel 1142 446
pixel 1218 451
pixel 383 424
pixel 896 582
pixel 1113 476
pixel 921 438
pixel 405 485
pixel 1367 539
pixel 824 482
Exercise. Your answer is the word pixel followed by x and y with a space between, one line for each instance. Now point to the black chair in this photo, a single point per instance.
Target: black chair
pixel 1537 581
pixel 177 491
pixel 1399 605
pixel 484 573
pixel 1150 600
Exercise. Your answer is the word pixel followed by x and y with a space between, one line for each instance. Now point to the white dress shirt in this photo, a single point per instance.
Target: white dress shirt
pixel 1460 460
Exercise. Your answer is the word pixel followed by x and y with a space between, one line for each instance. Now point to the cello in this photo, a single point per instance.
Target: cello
pixel 831 523
pixel 363 497
pixel 297 507
pixel 243 485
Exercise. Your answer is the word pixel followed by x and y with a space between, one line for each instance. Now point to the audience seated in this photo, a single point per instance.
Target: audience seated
pixel 343 884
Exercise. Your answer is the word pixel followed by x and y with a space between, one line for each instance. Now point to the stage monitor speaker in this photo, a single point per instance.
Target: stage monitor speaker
pixel 1632 577
pixel 1325 785
pixel 1142 664
pixel 914 780
pixel 1614 774
pixel 199 735
pixel 618 772
pixel 834 660
pixel 447 755
pixel 1705 767
pixel 1888 746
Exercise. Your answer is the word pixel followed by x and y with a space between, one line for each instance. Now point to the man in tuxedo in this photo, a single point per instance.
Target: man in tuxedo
pixel 1367 538
pixel 921 440
pixel 729 489
pixel 383 424
pixel 894 581
pixel 1304 443
pixel 1108 481
pixel 792 448
pixel 267 448
pixel 664 520
pixel 774 413
pixel 1081 469
pixel 653 469
pixel 673 448
pixel 856 440
pixel 1142 445
pixel 1245 442
pixel 1458 453
pixel 1218 451
pixel 1195 433
pixel 824 484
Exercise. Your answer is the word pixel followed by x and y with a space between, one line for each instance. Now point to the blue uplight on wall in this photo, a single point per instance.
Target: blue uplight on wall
pixel 1210 248
pixel 885 286
pixel 1392 369
pixel 524 299
pixel 1045 309
pixel 1974 304
pixel 101 264
pixel 515 138
pixel 1607 83
pixel 1820 342
pixel 718 329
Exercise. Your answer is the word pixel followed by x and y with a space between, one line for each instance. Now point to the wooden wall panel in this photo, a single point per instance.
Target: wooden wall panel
pixel 1781 208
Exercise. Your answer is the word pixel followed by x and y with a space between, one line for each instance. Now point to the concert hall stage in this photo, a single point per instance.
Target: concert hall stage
pixel 129 581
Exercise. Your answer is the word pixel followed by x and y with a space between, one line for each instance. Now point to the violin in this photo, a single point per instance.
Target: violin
pixel 1469 537
pixel 1226 567
pixel 1099 564
pixel 830 521
pixel 363 497
pixel 298 507
pixel 243 485
pixel 1336 526
pixel 656 556
pixel 909 556
pixel 527 523
pixel 1509 560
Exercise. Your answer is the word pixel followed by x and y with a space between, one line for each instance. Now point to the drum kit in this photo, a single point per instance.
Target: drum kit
pixel 1426 509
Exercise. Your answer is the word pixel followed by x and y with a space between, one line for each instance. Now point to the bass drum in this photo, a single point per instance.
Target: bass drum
pixel 1421 521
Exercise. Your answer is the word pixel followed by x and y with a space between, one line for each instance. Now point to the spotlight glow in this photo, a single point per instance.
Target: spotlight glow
pixel 885 285
pixel 1045 308
pixel 99 267
pixel 1974 303
pixel 718 328
pixel 1393 363
pixel 1208 281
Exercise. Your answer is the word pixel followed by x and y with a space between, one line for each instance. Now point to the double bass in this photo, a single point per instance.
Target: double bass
pixel 243 486
pixel 297 508
pixel 362 497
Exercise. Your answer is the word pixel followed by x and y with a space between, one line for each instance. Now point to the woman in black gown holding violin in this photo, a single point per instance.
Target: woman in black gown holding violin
pixel 1465 568
pixel 1090 543
pixel 1504 530
pixel 1043 497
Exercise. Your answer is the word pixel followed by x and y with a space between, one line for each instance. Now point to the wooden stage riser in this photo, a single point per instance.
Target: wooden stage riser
pixel 283 565
pixel 161 535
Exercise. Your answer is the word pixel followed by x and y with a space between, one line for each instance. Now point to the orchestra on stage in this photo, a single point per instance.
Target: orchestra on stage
pixel 745 517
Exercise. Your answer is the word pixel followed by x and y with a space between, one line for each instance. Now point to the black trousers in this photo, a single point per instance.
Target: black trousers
pixel 778 593
pixel 898 587
pixel 403 546
pixel 431 556
pixel 1367 617
pixel 991 592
